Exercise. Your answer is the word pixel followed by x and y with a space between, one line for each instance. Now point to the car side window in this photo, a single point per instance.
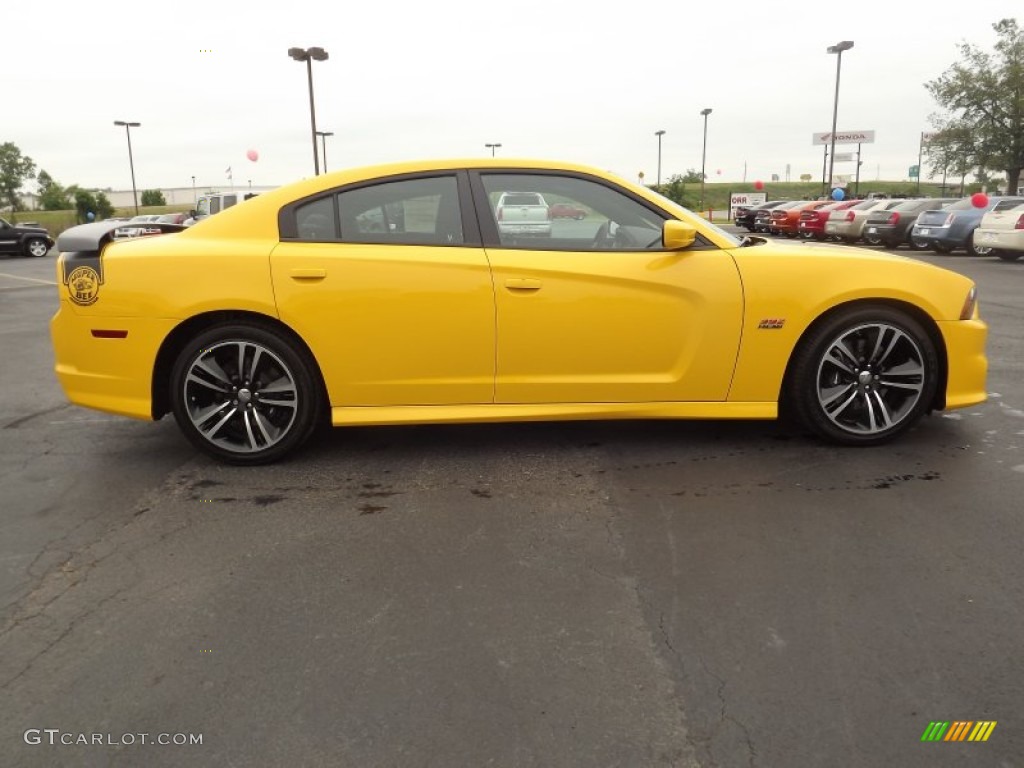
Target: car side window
pixel 408 212
pixel 315 220
pixel 567 213
pixel 422 211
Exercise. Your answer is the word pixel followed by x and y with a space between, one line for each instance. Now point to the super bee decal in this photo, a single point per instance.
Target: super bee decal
pixel 83 275
pixel 772 323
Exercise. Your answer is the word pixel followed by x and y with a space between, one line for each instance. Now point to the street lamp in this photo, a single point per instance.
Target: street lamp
pixel 308 55
pixel 704 153
pixel 837 49
pixel 323 140
pixel 131 163
pixel 659 134
pixel 492 147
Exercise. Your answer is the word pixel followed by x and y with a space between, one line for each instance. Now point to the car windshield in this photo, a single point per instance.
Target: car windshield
pixel 734 242
pixel 961 205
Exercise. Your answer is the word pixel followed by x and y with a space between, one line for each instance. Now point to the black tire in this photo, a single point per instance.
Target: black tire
pixel 1009 255
pixel 977 250
pixel 863 376
pixel 241 416
pixel 917 245
pixel 36 246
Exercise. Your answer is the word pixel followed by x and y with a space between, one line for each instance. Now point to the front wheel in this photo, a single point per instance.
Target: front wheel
pixel 245 393
pixel 977 250
pixel 863 376
pixel 36 247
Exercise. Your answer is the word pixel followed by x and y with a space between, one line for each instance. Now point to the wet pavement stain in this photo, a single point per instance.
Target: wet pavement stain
pixel 370 509
pixel 480 493
pixel 267 500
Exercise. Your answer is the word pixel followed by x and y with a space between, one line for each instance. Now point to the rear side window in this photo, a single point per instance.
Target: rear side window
pixel 409 212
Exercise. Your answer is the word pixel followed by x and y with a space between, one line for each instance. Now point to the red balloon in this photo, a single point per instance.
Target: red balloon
pixel 979 199
pixel 253 155
pixel 758 185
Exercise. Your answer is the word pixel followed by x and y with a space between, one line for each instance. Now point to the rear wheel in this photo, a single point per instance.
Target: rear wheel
pixel 864 376
pixel 245 393
pixel 1009 255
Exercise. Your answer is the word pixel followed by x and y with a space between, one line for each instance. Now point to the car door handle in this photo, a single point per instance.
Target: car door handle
pixel 308 274
pixel 523 284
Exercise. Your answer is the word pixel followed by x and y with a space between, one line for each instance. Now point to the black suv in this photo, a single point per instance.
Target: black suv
pixel 24 240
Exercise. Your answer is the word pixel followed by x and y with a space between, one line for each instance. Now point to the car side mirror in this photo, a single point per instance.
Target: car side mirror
pixel 677 234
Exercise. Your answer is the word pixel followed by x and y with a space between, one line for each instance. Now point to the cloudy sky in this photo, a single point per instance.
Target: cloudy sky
pixel 578 81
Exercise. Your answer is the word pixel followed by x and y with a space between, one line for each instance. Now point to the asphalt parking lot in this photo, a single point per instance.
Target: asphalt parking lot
pixel 575 594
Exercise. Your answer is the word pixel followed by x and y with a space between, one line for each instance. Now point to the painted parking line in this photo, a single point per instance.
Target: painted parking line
pixel 28 279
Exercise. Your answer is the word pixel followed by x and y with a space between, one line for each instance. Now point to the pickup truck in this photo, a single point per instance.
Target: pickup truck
pixel 523 213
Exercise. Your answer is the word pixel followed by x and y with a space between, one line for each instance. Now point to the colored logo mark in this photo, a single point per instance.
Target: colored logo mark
pixel 958 730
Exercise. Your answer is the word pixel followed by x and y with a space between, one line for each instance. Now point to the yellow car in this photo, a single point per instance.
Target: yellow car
pixel 391 295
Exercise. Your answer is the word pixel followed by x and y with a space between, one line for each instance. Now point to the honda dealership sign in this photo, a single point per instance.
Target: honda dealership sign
pixel 845 137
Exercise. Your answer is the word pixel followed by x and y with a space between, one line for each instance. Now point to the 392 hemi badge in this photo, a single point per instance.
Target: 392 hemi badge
pixel 83 277
pixel 772 323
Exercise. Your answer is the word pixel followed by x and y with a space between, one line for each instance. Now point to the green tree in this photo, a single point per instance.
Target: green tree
pixel 104 210
pixel 984 96
pixel 52 196
pixel 675 189
pixel 85 202
pixel 15 168
pixel 153 197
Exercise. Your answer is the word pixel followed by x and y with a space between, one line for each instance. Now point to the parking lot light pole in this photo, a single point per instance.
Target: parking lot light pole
pixel 308 55
pixel 131 163
pixel 703 155
pixel 659 134
pixel 837 49
pixel 323 142
pixel 492 147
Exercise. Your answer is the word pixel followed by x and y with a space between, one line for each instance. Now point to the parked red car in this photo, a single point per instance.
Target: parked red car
pixel 812 222
pixel 566 211
pixel 785 222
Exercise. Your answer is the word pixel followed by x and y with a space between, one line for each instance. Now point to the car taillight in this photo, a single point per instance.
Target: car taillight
pixel 894 219
pixel 849 215
pixel 949 220
pixel 1020 222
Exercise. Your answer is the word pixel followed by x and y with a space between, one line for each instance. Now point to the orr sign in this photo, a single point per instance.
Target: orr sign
pixel 844 137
